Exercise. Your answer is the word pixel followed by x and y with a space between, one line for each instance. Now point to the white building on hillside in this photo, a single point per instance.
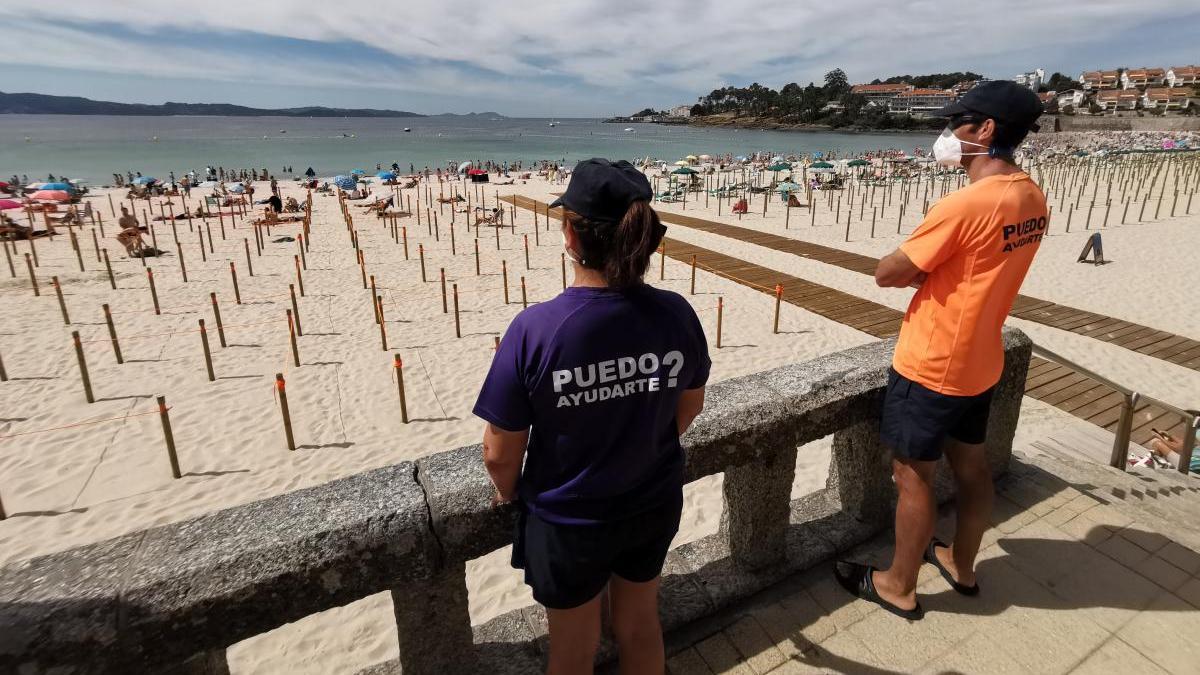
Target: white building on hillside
pixel 1033 79
pixel 680 111
pixel 1071 97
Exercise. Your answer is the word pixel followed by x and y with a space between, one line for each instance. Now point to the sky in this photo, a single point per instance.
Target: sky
pixel 560 58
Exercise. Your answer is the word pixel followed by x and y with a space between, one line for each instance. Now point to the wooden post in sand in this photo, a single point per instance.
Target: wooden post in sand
pixel 283 408
pixel 95 244
pixel 524 297
pixel 12 271
pixel 477 272
pixel 78 249
pixel 457 323
pixel 108 267
pixel 249 264
pixel 504 274
pixel 217 317
pixel 398 368
pixel 153 291
pixel 208 366
pixel 112 334
pixel 445 308
pixel 183 264
pixel 168 436
pixel 299 275
pixel 292 338
pixel 32 276
pixel 62 303
pixel 83 371
pixel 527 267
pixel 295 311
pixel 778 302
pixel 404 236
pixel 662 261
pixel 300 244
pixel 3 378
pixel 382 324
pixel 720 313
pixel 112 209
pixel 237 296
pixel 693 275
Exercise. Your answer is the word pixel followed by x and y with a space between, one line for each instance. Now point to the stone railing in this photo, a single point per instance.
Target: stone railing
pixel 173 598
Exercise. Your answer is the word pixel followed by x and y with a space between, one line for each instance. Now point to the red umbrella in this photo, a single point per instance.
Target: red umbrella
pixel 6 204
pixel 51 196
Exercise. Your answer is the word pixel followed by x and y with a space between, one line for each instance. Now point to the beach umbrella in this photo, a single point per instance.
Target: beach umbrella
pixel 685 171
pixel 780 166
pixel 386 175
pixel 358 172
pixel 57 186
pixel 705 157
pixel 144 180
pixel 692 157
pixel 51 196
pixel 6 204
pixel 682 162
pixel 787 186
pixel 858 162
pixel 236 188
pixel 821 165
pixel 463 167
pixel 345 182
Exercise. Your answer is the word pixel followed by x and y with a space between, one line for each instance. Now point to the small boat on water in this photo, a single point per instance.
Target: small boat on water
pixel 628 128
pixel 406 130
pixel 554 124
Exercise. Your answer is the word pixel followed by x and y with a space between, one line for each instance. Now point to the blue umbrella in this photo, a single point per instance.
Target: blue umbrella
pixel 386 175
pixel 57 186
pixel 144 180
pixel 358 172
pixel 236 188
pixel 345 182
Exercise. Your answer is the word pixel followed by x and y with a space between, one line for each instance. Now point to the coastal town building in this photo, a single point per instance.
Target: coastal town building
pixel 880 94
pixel 1180 76
pixel 1033 79
pixel 965 86
pixel 1140 78
pixel 1100 79
pixel 680 111
pixel 919 102
pixel 1049 101
pixel 1071 97
pixel 1166 98
pixel 1117 99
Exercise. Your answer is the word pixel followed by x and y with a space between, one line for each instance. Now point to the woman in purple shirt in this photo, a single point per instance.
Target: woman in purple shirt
pixel 585 402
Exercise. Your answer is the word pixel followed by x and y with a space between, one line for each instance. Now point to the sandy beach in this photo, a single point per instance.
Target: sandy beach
pixel 72 473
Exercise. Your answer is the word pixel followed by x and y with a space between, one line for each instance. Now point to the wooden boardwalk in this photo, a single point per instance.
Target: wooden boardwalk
pixel 1177 349
pixel 1047 381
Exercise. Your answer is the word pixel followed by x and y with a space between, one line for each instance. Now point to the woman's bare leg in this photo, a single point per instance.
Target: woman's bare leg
pixel 574 637
pixel 636 626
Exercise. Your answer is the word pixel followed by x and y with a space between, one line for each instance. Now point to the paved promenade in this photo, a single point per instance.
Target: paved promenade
pixel 1087 570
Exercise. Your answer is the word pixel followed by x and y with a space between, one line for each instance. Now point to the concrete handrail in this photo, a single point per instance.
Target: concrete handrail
pixel 173 598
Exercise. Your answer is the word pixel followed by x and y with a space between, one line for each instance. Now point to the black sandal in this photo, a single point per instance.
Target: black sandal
pixel 932 559
pixel 857 579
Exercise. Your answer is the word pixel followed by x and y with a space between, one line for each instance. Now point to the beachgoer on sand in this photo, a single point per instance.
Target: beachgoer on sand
pixel 131 239
pixel 589 392
pixel 967 261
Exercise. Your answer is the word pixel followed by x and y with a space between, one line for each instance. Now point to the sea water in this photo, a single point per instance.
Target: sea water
pixel 93 147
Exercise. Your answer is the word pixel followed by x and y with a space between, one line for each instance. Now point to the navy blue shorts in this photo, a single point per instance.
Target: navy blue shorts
pixel 568 565
pixel 917 420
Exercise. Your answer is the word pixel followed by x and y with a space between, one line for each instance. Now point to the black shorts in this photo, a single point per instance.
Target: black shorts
pixel 917 420
pixel 568 565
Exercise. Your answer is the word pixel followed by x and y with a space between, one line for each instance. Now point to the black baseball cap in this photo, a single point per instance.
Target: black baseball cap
pixel 1000 100
pixel 602 191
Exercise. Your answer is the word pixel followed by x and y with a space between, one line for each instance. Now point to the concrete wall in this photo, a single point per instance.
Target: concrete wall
pixel 1111 123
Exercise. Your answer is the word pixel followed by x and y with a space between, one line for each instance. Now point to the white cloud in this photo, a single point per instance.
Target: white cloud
pixel 603 48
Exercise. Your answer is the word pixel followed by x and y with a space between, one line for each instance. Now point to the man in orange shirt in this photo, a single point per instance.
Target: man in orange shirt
pixel 967 261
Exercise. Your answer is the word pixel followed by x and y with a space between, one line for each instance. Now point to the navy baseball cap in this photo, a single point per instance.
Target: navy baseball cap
pixel 1000 100
pixel 602 191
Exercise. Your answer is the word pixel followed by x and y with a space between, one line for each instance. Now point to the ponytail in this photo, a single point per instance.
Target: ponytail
pixel 621 252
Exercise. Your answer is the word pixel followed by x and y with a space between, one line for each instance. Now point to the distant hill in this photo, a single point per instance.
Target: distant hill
pixel 42 104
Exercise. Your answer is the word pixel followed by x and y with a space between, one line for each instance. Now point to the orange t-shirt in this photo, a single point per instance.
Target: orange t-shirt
pixel 975 245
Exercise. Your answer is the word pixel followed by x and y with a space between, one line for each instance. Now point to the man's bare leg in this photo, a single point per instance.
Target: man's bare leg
pixel 915 516
pixel 974 505
pixel 574 637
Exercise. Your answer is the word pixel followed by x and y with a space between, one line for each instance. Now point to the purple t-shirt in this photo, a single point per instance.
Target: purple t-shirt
pixel 597 373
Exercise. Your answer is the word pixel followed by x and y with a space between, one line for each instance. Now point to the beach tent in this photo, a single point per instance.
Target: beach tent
pixel 463 167
pixel 236 188
pixel 358 172
pixel 51 196
pixel 682 162
pixel 345 182
pixel 6 204
pixel 821 165
pixel 787 186
pixel 57 186
pixel 144 180
pixel 385 175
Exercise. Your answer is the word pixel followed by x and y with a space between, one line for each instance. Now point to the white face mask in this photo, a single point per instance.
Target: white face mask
pixel 570 253
pixel 947 149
